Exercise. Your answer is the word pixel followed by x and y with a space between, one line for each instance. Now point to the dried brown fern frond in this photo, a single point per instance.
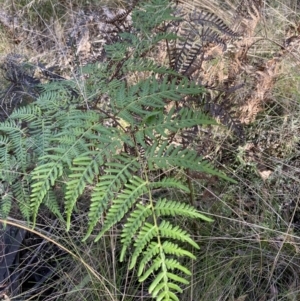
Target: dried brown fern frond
pixel 247 15
pixel 265 79
pixel 220 108
pixel 212 21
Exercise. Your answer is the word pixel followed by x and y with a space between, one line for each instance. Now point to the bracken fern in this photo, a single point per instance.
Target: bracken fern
pixel 109 144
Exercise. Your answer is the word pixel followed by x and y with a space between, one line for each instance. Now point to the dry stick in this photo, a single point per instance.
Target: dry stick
pixel 9 221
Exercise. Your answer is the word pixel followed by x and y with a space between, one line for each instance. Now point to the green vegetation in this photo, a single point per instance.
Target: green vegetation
pixel 167 169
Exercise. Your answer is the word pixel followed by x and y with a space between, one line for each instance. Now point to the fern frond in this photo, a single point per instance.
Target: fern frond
pixel 175 264
pixel 141 213
pixel 207 18
pixel 142 64
pixel 155 248
pixel 21 192
pixel 17 137
pixel 163 286
pixel 165 207
pixel 123 202
pixel 149 93
pixel 5 204
pixel 5 156
pixel 27 113
pixel 166 124
pixel 145 17
pixel 51 202
pixel 57 95
pixel 208 35
pixel 170 155
pixel 146 234
pixel 133 223
pixel 118 174
pixel 84 170
pixel 41 133
pixel 168 230
pixel 169 183
pixel 117 51
pixel 44 177
pixel 179 50
pixel 189 63
pixel 155 265
pixel 19 143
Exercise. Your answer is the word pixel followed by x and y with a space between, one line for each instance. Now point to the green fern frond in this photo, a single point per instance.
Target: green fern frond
pixel 146 17
pixel 165 229
pixel 57 95
pixel 144 64
pixel 27 113
pixel 41 133
pixel 5 204
pixel 151 252
pixel 168 230
pixel 159 123
pixel 135 188
pixel 165 207
pixel 177 278
pixel 169 183
pixel 17 137
pixel 173 249
pixel 168 155
pixel 149 93
pixel 10 173
pixel 155 265
pixel 5 156
pixel 51 202
pixel 154 248
pixel 21 192
pixel 116 52
pixel 44 177
pixel 19 143
pixel 133 223
pixel 172 264
pixel 84 170
pixel 146 234
pixel 118 173
pixel 163 285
